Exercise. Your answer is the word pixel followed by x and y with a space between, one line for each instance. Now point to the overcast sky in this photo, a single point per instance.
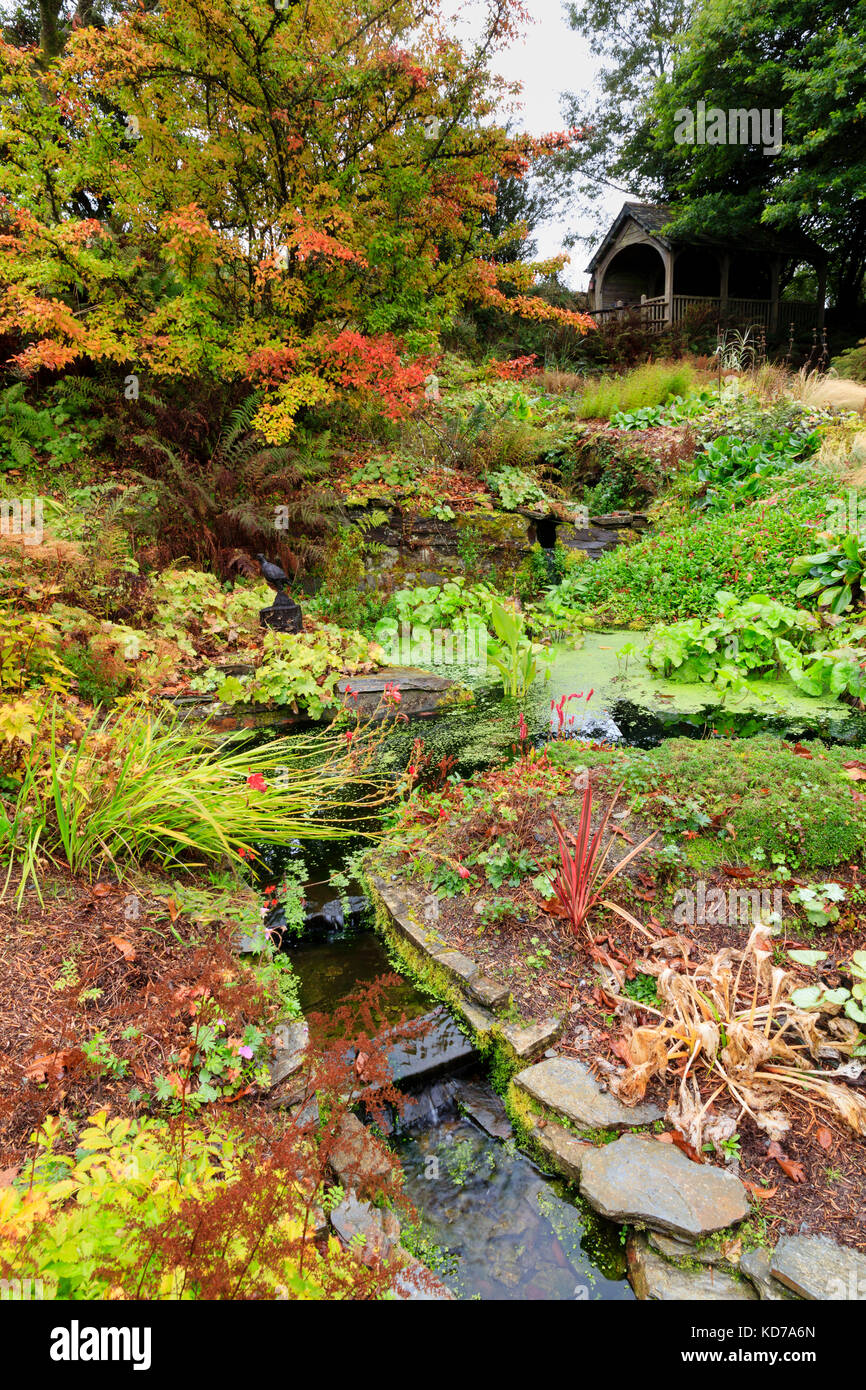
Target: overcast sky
pixel 553 59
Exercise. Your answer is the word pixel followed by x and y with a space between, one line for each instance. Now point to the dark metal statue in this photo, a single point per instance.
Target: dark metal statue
pixel 284 615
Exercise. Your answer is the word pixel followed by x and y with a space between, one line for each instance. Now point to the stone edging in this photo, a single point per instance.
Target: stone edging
pixel 407 919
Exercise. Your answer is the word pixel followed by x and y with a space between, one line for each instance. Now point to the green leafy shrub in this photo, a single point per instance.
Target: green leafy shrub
pixel 454 604
pixel 732 471
pixel 300 669
pixel 193 602
pixel 514 488
pixel 28 431
pixel 755 638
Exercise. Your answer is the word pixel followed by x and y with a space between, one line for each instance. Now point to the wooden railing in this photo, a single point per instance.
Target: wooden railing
pixel 657 315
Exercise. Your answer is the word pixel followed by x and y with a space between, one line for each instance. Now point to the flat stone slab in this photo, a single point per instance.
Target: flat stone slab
pixel 639 1181
pixel 757 1265
pixel 565 1152
pixel 532 1040
pixel 291 1039
pixel 404 677
pixel 374 1232
pixel 652 1277
pixel 485 1108
pixel 357 1158
pixel 567 1086
pixel 816 1267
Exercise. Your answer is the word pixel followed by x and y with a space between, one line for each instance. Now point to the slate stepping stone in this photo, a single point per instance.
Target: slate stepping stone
pixel 485 1108
pixel 567 1086
pixel 639 1181
pixel 757 1264
pixel 816 1267
pixel 652 1277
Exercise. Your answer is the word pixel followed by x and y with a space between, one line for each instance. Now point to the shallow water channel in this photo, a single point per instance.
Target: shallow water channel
pixel 497 1227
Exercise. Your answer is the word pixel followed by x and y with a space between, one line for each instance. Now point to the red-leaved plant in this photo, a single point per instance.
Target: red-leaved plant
pixel 581 864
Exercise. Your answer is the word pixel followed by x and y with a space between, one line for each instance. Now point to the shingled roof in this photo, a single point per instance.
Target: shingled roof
pixel 651 217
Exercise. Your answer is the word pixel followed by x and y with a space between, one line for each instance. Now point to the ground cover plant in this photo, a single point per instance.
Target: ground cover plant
pixel 144 1155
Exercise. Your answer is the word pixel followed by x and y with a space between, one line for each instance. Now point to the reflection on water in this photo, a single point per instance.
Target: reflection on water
pixel 506 1231
pixel 330 969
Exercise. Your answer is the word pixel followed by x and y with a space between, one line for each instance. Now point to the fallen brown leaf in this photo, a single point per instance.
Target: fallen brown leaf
pixel 789 1166
pixel 762 1193
pixel 126 948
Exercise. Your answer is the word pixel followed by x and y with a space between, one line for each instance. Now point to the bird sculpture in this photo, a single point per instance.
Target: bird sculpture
pixel 284 615
pixel 272 574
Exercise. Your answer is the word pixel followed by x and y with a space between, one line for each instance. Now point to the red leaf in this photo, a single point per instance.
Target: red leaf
pixel 824 1137
pixel 126 949
pixel 795 1171
pixel 683 1144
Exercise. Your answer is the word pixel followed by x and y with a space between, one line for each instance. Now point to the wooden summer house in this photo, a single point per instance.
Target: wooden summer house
pixel 637 264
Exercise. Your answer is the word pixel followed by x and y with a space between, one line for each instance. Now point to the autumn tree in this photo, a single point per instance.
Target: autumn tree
pixel 296 195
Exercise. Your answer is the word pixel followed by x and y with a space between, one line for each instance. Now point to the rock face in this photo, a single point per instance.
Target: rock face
pixel 291 1039
pixel 652 1277
pixel 816 1267
pixel 565 1085
pixel 757 1265
pixel 380 1228
pixel 357 1158
pixel 637 1180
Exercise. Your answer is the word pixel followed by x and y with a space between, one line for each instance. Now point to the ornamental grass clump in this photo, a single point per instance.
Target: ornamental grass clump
pixel 576 886
pixel 144 786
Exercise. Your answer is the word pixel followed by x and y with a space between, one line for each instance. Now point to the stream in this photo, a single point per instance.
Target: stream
pixel 489 1221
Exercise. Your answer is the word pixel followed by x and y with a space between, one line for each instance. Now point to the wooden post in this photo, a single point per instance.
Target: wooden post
pixel 669 285
pixel 775 270
pixel 724 276
pixel 822 294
